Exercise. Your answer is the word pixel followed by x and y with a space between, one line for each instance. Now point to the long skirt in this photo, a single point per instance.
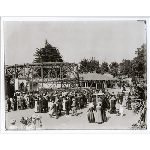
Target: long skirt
pixel 50 111
pixel 104 118
pixel 67 111
pixel 36 107
pixel 99 116
pixel 91 117
pixel 64 106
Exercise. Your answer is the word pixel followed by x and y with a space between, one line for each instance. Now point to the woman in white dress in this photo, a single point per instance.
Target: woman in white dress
pixel 121 110
pixel 117 107
pixel 64 101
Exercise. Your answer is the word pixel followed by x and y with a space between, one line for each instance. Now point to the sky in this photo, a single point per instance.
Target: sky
pixel 104 40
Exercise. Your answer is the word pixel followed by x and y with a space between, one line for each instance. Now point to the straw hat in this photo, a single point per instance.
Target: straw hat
pixel 91 105
pixel 33 116
pixel 12 121
pixel 99 103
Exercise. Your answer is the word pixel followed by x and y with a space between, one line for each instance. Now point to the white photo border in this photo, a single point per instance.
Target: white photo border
pixel 72 19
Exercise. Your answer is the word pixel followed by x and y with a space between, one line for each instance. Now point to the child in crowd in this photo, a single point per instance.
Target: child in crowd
pixel 13 126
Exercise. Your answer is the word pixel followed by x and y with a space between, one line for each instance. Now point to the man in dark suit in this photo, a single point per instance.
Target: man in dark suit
pixel 9 104
pixel 104 107
pixel 121 97
pixel 40 105
pixel 76 102
pixel 79 101
pixel 43 104
pixel 94 102
pixel 31 101
pixel 61 99
pixel 70 103
pixel 24 103
pixel 59 107
pixel 15 102
pixel 113 104
pixel 67 107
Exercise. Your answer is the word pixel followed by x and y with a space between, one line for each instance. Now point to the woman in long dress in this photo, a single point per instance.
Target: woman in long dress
pixel 50 109
pixel 64 101
pixel 117 107
pixel 99 113
pixel 90 113
pixel 112 104
pixel 121 111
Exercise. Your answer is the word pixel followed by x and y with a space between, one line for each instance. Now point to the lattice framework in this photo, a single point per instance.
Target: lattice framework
pixel 50 73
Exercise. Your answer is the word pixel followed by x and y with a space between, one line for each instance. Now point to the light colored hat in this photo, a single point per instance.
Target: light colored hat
pixel 113 94
pixel 100 93
pixel 12 121
pixel 99 103
pixel 33 116
pixel 91 105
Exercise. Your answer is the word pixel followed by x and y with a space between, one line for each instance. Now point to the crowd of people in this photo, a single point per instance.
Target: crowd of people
pixel 60 103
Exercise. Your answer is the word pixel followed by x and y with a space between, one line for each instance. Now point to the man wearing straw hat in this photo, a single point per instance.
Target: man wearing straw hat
pixel 9 104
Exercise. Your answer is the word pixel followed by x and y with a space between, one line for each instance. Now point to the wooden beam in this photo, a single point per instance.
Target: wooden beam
pixel 42 75
pixel 39 64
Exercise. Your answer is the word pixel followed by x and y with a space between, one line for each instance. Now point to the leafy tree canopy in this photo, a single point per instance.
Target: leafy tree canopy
pixel 104 67
pixel 89 65
pixel 47 54
pixel 114 68
pixel 139 62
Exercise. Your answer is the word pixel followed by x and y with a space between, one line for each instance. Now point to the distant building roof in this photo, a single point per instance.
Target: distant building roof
pixel 95 76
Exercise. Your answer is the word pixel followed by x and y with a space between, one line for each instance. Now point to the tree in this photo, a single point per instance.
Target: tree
pixel 125 68
pixel 139 62
pixel 104 67
pixel 89 66
pixel 114 68
pixel 47 54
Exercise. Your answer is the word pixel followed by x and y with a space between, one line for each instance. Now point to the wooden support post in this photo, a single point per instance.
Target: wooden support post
pixel 42 75
pixel 48 74
pixel 32 78
pixel 60 72
pixel 60 77
pixel 96 85
pixel 15 72
pixel 56 75
pixel 24 73
pixel 29 81
pixel 24 76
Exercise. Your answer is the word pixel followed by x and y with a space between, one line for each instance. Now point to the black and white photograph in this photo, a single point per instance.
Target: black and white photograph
pixel 74 73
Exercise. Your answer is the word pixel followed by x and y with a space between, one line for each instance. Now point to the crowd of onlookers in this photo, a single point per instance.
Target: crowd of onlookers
pixel 60 103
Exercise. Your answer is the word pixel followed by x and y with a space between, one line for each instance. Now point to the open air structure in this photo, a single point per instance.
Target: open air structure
pixel 46 74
